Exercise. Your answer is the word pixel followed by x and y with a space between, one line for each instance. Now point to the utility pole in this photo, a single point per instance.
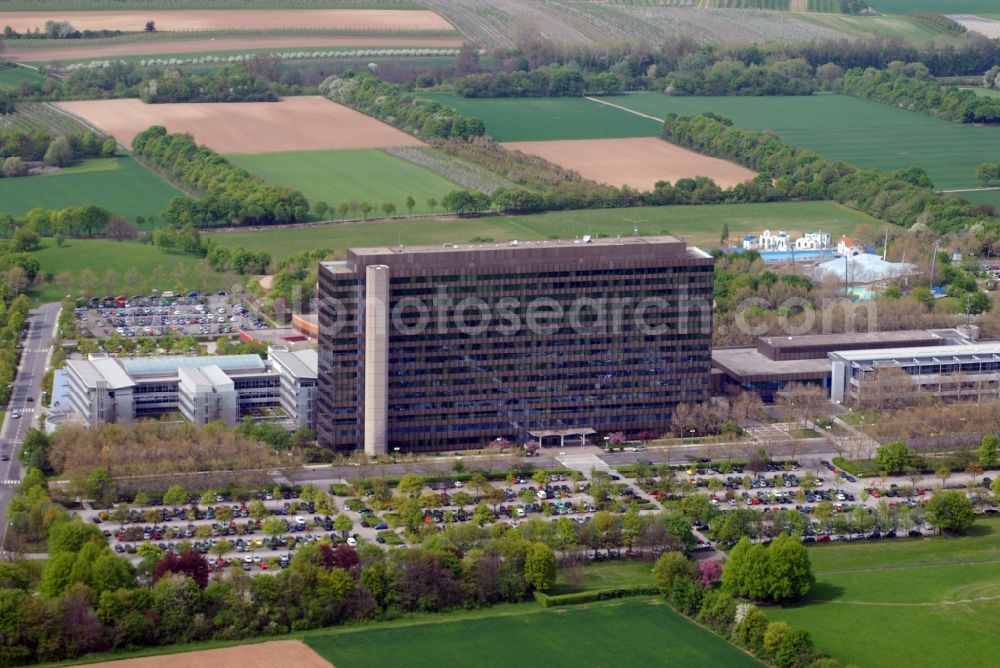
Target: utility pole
pixel 933 263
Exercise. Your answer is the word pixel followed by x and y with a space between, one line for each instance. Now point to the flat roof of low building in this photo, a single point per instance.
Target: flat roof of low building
pixel 966 352
pixel 101 369
pixel 205 377
pixel 300 363
pixel 751 364
pixel 168 364
pixel 850 338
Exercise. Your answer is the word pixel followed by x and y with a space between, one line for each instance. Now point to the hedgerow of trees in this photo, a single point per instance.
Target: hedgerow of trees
pixel 398 106
pixel 226 192
pixel 19 147
pixel 232 83
pixel 910 86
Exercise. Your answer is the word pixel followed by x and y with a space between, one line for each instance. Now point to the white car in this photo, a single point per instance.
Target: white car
pixel 352 541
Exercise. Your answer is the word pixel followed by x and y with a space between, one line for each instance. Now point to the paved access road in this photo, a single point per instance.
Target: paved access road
pixel 28 383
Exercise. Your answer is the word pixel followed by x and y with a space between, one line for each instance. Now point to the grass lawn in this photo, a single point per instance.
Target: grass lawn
pixel 536 119
pixel 367 175
pixel 158 270
pixel 11 77
pixel 929 602
pixel 984 92
pixel 631 632
pixel 120 184
pixel 839 127
pixel 699 225
pixel 983 196
pixel 604 575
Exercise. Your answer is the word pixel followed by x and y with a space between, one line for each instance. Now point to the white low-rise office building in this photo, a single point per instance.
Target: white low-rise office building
pixel 200 389
pixel 298 372
pixel 969 372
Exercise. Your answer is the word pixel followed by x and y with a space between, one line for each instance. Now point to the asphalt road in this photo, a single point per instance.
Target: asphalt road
pixel 28 383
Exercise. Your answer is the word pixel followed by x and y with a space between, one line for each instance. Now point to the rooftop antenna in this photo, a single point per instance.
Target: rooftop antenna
pixel 635 226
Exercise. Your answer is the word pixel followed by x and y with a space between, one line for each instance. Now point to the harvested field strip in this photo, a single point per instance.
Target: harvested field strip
pixel 468 176
pixel 337 177
pixel 294 123
pixel 638 162
pixel 242 44
pixel 222 19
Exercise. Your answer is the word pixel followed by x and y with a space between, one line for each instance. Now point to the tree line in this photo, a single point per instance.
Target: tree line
pixel 397 105
pixel 552 81
pixel 232 83
pixel 227 192
pixel 14 316
pixel 20 147
pixel 910 86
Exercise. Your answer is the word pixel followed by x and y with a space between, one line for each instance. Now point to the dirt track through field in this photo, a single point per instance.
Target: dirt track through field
pixel 221 44
pixel 639 162
pixel 293 124
pixel 290 653
pixel 228 19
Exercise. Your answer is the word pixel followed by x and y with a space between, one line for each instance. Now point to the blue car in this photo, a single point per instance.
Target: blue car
pixel 382 526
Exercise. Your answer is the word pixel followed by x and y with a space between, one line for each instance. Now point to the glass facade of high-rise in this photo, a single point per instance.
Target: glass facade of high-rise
pixel 449 347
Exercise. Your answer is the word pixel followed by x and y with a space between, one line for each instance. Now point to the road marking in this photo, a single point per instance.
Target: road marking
pixel 10 482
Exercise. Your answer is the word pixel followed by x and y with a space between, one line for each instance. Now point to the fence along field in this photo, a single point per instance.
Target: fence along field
pixel 169 20
pixel 869 134
pixel 292 124
pixel 636 162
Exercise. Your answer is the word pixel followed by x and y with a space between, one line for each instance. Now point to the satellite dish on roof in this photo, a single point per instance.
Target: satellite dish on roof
pixel 586 239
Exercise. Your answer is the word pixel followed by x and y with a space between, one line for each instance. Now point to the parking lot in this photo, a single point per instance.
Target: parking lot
pixel 205 525
pixel 157 315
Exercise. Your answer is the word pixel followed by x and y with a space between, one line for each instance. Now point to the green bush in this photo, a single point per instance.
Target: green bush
pixel 594 595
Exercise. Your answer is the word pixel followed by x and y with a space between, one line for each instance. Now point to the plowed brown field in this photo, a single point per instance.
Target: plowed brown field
pixel 293 124
pixel 228 19
pixel 262 655
pixel 638 163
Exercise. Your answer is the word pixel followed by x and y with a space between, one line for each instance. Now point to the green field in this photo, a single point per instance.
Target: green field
pixel 11 77
pixel 537 119
pixel 630 632
pixel 930 603
pixel 874 26
pixel 700 225
pixel 983 196
pixel 367 175
pixel 985 92
pixel 158 270
pixel 120 184
pixel 839 127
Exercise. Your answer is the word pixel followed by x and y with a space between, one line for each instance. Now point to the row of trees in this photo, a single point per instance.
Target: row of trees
pixel 733 77
pixel 911 87
pixel 398 106
pixel 227 192
pixel 232 83
pixel 553 81
pixel 902 198
pixel 778 572
pixel 19 147
pixel 14 316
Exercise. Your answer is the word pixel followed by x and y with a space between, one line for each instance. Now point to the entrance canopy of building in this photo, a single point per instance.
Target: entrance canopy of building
pixel 561 434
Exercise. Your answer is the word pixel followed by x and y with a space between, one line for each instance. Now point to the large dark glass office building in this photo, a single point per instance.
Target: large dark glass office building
pixel 446 347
